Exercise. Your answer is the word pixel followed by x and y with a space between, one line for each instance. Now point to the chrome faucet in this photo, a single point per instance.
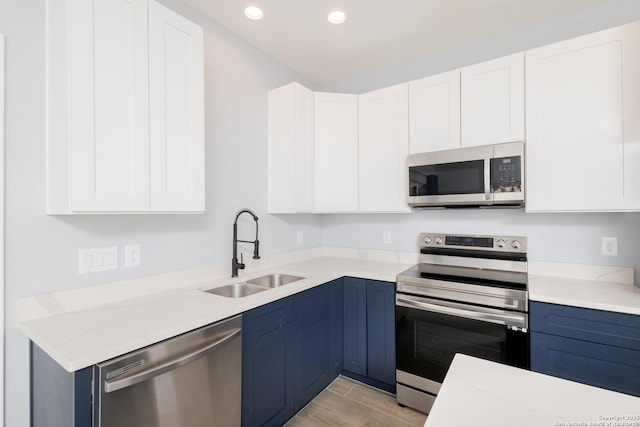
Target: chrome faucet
pixel 235 265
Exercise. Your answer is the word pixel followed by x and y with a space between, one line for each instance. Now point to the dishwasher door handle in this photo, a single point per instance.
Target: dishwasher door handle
pixel 110 386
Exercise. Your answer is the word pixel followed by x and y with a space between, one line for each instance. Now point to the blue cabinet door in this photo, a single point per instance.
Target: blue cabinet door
pixel 312 363
pixel 355 325
pixel 381 331
pixel 600 365
pixel 369 332
pixel 267 361
pixel 318 341
pixel 335 326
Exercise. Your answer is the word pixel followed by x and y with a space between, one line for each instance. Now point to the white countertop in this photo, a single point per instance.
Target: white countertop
pixel 480 393
pixel 600 288
pixel 84 326
pixel 78 336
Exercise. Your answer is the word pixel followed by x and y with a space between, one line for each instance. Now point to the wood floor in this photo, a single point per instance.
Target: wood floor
pixel 349 403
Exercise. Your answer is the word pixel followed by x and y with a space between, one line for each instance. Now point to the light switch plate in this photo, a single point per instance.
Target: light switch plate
pixel 97 259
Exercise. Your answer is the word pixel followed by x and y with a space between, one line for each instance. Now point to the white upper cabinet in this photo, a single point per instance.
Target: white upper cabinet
pixel 482 104
pixel 176 111
pixel 290 150
pixel 383 119
pixel 434 113
pixel 125 108
pixel 492 95
pixel 336 152
pixel 583 131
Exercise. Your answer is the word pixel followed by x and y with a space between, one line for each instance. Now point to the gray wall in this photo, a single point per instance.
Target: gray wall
pixel 574 238
pixel 42 250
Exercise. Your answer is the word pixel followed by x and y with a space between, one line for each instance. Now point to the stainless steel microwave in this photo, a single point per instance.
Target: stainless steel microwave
pixel 491 175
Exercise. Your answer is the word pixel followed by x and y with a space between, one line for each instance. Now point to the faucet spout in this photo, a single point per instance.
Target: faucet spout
pixel 235 265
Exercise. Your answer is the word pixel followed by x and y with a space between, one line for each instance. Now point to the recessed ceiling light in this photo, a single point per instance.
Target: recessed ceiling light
pixel 253 12
pixel 337 16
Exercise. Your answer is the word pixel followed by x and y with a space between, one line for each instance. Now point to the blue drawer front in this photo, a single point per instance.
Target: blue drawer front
pixel 597 326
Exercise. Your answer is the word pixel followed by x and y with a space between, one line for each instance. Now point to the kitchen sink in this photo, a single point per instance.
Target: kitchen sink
pixel 274 280
pixel 235 290
pixel 253 286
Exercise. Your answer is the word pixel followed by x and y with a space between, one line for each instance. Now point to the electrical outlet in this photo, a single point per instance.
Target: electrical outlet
pixel 299 237
pixel 610 246
pixel 131 255
pixel 386 237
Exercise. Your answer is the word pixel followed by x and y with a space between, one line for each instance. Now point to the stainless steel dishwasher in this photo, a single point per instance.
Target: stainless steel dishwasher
pixel 192 380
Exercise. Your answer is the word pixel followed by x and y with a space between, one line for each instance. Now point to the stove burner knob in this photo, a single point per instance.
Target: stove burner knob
pixel 427 240
pixel 501 243
pixel 516 244
pixel 438 240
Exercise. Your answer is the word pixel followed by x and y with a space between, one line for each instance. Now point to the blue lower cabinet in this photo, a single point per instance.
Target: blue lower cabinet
pixel 315 342
pixel 381 331
pixel 267 357
pixel 594 347
pixel 355 325
pixel 289 353
pixel 369 332
pixel 59 398
pixel 335 326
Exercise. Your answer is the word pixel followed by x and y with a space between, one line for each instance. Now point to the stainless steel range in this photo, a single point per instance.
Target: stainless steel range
pixel 467 295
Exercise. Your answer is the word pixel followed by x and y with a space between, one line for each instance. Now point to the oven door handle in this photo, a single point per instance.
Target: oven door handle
pixel 501 319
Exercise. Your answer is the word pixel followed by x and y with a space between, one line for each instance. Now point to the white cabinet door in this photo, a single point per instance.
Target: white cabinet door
pixel 383 121
pixel 434 113
pixel 176 112
pixel 108 105
pixel 336 152
pixel 290 149
pixel 583 132
pixel 492 103
pixel 125 110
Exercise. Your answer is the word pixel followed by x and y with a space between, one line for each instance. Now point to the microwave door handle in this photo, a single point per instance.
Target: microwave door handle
pixel 487 175
pixel 501 319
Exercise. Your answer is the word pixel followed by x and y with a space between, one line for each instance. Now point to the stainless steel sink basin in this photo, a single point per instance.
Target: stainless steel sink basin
pixel 253 286
pixel 274 280
pixel 235 290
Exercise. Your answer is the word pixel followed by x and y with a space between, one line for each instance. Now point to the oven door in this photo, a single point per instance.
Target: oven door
pixel 429 332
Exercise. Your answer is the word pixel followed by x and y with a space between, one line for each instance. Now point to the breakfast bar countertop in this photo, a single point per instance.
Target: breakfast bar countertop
pixel 481 393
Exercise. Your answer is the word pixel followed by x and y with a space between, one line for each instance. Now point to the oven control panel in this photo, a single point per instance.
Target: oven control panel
pixel 474 242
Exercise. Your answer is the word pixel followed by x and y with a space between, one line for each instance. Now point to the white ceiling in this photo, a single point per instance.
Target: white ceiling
pixel 378 34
